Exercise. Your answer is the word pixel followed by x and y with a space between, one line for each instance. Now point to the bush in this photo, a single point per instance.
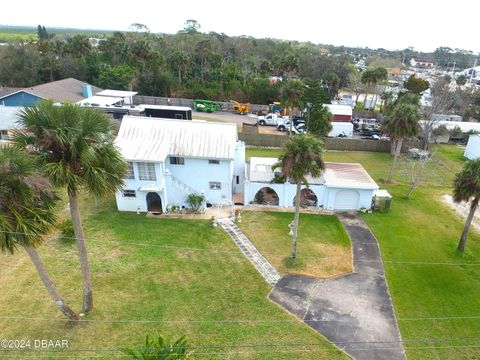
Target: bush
pixel 195 201
pixel 162 349
pixel 66 228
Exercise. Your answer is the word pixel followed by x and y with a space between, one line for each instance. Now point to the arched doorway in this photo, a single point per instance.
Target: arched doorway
pixel 154 202
pixel 308 198
pixel 266 196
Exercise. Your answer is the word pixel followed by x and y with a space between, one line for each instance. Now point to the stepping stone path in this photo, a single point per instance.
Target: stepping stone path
pixel 262 265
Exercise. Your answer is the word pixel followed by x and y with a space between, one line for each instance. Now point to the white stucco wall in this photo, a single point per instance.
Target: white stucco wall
pixel 239 168
pixel 325 195
pixel 472 151
pixel 286 192
pixel 139 202
pixel 198 173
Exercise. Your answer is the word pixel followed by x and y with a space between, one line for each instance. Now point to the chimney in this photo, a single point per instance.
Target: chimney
pixel 87 90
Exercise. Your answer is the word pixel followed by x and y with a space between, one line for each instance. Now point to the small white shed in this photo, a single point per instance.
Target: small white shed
pixel 472 151
pixel 342 186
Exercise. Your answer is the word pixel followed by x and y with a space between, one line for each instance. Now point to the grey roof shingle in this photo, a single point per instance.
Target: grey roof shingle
pixel 4 91
pixel 69 89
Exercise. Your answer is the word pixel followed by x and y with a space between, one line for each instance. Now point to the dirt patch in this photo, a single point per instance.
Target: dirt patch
pixel 272 130
pixel 462 209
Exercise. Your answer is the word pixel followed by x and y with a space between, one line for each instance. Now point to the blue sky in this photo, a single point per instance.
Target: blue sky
pixel 423 24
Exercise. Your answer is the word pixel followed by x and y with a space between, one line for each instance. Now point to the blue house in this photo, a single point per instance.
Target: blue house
pixel 19 98
pixel 66 90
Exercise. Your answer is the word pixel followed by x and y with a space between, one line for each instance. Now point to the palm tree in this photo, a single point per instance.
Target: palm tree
pixel 401 123
pixel 301 157
pixel 467 186
pixel 371 77
pixel 292 96
pixel 74 146
pixel 27 213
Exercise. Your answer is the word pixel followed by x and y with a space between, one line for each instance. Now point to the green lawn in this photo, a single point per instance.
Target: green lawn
pixel 423 230
pixel 323 245
pixel 137 276
pixel 6 37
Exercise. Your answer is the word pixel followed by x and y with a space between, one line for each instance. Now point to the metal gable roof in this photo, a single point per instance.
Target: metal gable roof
pixel 348 175
pixel 153 139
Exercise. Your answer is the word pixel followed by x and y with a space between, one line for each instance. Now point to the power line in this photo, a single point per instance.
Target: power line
pixel 222 321
pixel 236 252
pixel 193 348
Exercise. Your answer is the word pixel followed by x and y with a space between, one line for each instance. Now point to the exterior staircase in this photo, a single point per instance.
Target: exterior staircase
pixel 182 186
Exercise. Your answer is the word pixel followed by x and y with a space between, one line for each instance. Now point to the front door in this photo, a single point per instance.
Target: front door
pixel 154 202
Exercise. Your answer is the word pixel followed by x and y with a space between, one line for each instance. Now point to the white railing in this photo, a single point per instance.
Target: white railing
pixel 182 186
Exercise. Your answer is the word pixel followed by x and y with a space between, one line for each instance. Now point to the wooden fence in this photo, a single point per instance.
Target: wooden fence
pixel 270 140
pixel 156 100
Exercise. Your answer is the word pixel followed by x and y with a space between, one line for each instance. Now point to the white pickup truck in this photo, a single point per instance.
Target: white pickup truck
pixel 271 119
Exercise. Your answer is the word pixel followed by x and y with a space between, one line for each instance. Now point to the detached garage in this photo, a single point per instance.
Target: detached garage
pixel 348 187
pixel 342 187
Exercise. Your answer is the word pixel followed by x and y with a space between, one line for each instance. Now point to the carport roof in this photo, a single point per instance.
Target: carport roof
pixel 348 175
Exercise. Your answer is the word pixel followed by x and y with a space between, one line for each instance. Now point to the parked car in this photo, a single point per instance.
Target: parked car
pixel 299 128
pixel 270 119
pixel 284 124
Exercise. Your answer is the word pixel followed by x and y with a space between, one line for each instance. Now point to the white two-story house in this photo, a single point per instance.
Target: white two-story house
pixel 170 159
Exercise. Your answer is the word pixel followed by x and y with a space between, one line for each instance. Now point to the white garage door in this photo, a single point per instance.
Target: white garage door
pixel 346 200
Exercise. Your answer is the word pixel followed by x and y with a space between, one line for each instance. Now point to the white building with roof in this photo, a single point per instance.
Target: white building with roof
pixel 9 116
pixel 472 150
pixel 170 159
pixel 342 186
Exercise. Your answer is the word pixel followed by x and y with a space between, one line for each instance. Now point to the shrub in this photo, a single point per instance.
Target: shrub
pixel 162 349
pixel 66 228
pixel 195 201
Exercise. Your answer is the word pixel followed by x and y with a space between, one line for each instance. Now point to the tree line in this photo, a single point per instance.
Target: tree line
pixel 186 64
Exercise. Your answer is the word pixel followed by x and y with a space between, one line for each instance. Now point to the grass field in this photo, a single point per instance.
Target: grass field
pixel 323 245
pixel 139 274
pixel 7 37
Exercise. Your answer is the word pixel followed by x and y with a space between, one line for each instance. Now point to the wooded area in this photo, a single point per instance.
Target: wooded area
pixel 192 64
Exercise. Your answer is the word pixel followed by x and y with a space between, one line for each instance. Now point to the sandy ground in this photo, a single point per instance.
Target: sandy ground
pixel 462 210
pixel 224 117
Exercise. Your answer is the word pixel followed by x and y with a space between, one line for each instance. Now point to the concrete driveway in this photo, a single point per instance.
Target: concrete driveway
pixel 353 311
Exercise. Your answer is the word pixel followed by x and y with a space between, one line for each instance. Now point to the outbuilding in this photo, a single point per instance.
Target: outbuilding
pixel 472 151
pixel 342 186
pixel 340 112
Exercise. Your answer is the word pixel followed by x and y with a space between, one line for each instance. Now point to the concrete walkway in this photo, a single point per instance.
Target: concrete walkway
pixel 353 311
pixel 250 251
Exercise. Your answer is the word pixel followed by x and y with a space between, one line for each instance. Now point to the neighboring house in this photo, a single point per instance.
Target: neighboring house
pixel 66 90
pixel 342 186
pixel 170 159
pixel 8 122
pixel 446 117
pixel 340 112
pixel 472 151
pixel 418 63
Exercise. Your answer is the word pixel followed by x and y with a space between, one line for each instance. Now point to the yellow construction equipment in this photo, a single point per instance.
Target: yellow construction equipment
pixel 240 108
